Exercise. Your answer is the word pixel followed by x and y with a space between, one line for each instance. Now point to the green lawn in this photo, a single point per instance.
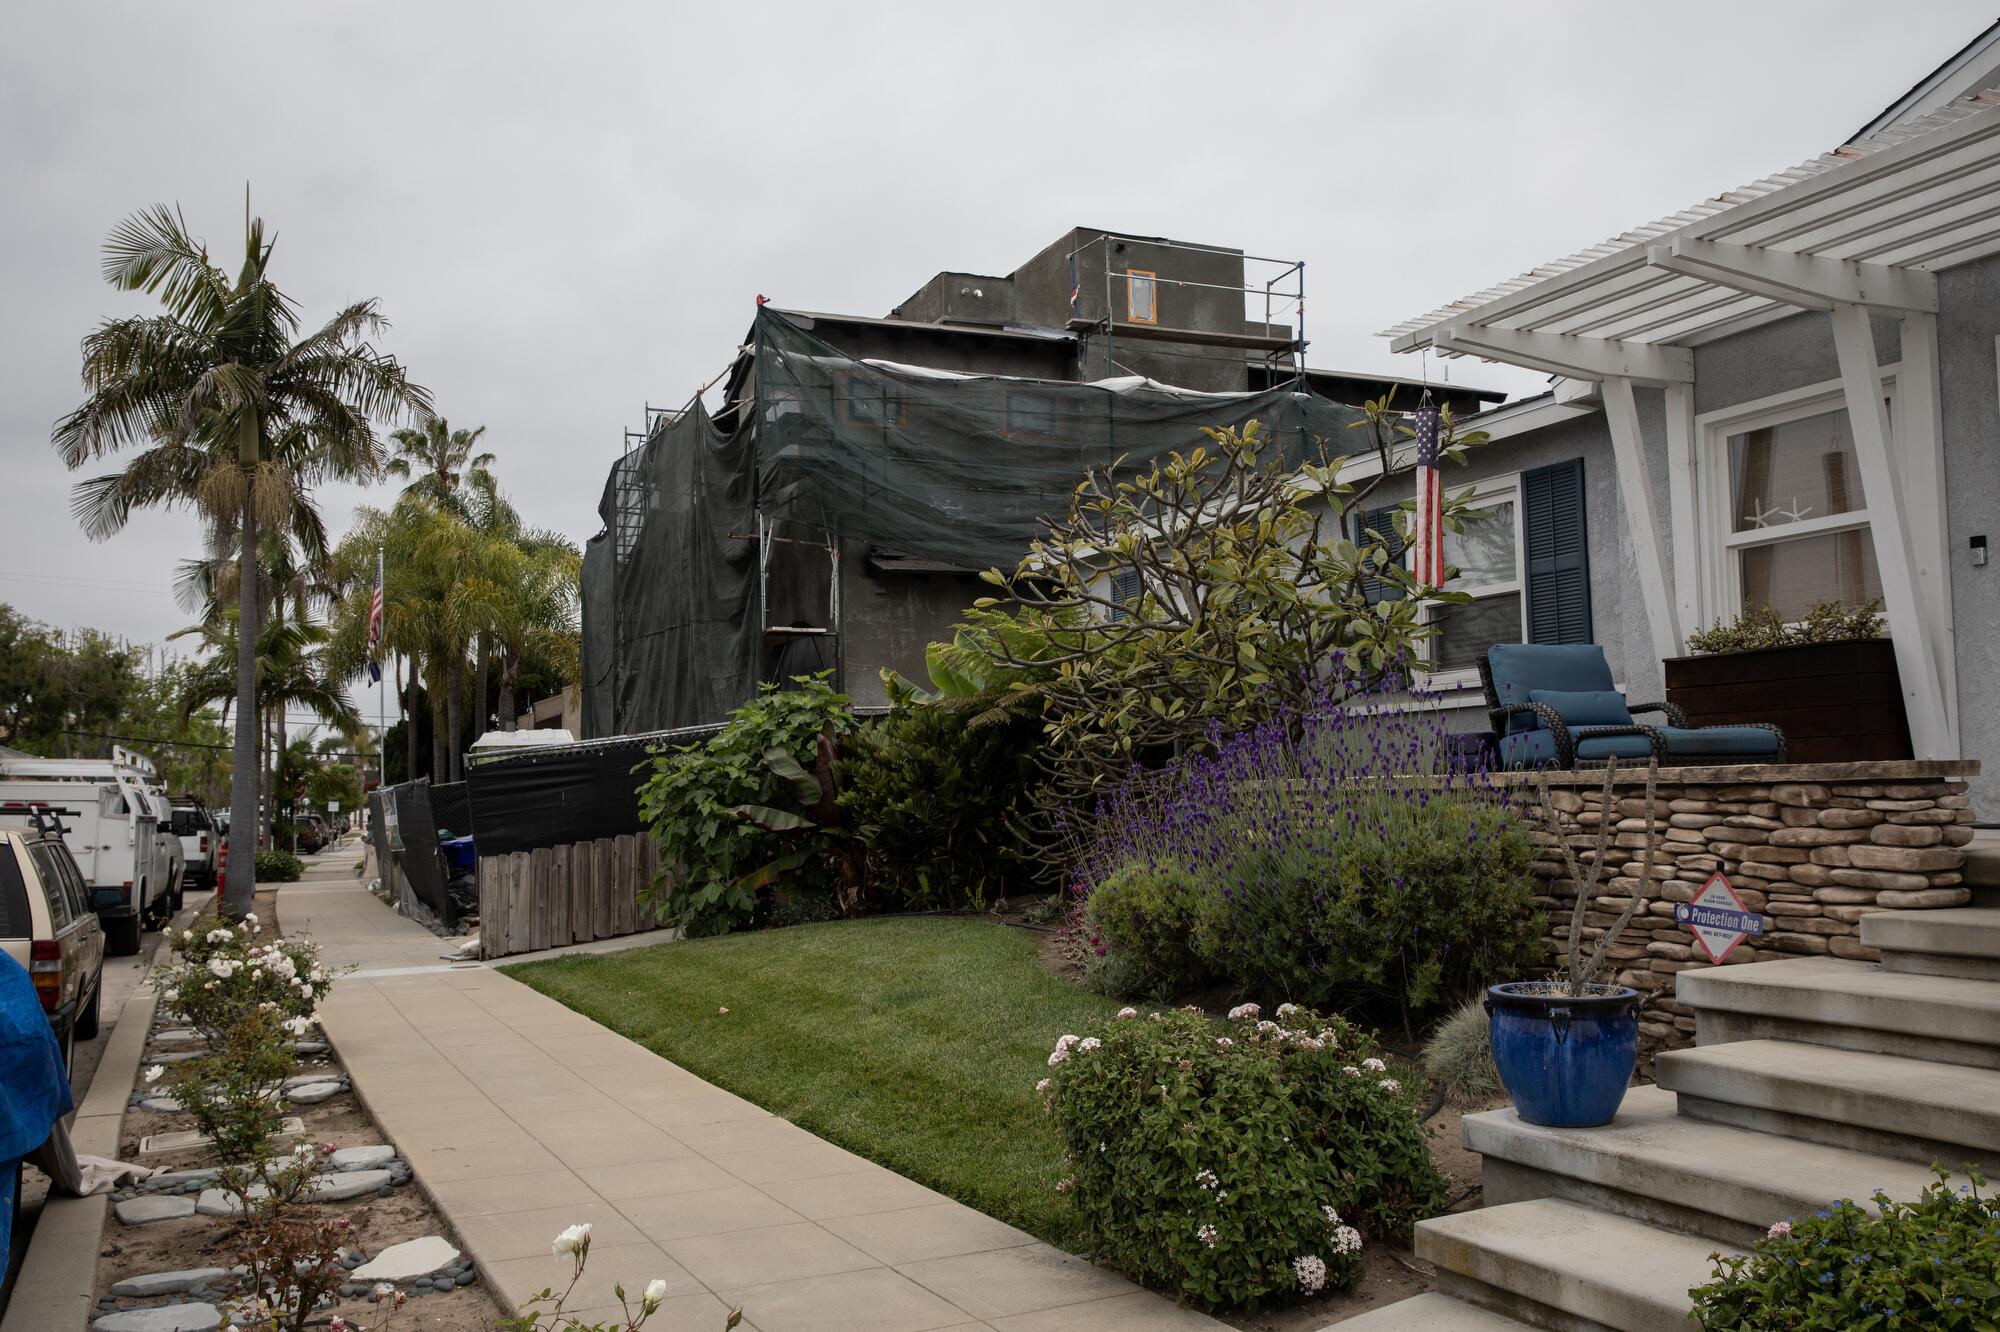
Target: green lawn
pixel 914 1042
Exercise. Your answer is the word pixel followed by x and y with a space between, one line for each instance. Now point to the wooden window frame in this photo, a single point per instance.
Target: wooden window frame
pixel 1721 552
pixel 1132 316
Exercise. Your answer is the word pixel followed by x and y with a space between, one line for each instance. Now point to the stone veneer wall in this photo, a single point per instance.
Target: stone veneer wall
pixel 1812 847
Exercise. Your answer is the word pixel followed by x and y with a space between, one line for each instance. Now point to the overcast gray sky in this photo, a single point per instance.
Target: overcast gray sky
pixel 567 210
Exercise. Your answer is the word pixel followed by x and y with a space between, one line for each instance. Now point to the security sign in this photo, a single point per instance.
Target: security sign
pixel 1718 918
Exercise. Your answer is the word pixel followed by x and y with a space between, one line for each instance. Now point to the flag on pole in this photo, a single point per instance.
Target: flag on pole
pixel 1427 535
pixel 375 624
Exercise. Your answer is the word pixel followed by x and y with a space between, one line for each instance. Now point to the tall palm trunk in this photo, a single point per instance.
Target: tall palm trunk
pixel 409 703
pixel 509 668
pixel 243 768
pixel 434 687
pixel 454 696
pixel 479 714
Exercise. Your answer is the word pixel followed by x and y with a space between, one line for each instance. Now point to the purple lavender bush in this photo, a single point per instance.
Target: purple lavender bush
pixel 1344 853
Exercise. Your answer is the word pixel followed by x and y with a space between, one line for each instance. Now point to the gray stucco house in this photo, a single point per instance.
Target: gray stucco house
pixel 1782 395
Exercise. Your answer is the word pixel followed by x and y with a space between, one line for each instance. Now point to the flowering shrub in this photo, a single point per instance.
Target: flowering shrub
pixel 227 1091
pixel 1332 854
pixel 290 1266
pixel 1928 1264
pixel 544 1311
pixel 225 971
pixel 1238 1165
pixel 278 867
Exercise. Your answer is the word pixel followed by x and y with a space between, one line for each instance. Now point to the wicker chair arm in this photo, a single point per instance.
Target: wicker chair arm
pixel 1714 759
pixel 1674 715
pixel 1656 742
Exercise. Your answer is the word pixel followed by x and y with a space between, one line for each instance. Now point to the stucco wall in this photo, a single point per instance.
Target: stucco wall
pixel 1968 321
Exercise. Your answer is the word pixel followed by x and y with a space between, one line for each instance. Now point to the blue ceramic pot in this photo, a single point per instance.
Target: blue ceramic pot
pixel 1565 1059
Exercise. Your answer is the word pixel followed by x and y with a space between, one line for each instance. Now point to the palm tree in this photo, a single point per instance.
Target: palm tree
pixel 234 414
pixel 291 673
pixel 527 596
pixel 442 461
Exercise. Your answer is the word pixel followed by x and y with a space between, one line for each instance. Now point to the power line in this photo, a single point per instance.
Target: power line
pixel 101 584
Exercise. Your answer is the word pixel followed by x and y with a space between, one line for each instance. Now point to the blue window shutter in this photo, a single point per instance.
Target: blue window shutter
pixel 1382 524
pixel 1557 561
pixel 1125 587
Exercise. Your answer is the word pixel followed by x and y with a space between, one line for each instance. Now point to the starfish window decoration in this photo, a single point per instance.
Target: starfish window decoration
pixel 1758 515
pixel 1797 513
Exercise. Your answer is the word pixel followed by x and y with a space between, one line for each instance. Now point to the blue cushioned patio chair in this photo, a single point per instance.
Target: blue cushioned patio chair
pixel 1554 705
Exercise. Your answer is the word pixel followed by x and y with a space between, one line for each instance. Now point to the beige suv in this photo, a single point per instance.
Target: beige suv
pixel 46 925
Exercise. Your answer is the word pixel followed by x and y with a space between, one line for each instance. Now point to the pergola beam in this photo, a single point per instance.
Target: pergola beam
pixel 1804 280
pixel 1575 357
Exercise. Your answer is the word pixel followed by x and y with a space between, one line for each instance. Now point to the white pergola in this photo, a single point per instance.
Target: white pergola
pixel 1864 229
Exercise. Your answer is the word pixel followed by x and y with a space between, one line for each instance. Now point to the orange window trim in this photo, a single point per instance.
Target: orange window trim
pixel 1131 309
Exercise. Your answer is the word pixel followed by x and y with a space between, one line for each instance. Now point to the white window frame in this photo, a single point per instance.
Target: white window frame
pixel 1483 494
pixel 1721 545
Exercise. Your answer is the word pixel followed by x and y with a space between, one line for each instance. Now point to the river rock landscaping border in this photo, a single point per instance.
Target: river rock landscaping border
pixel 167 1265
pixel 1811 847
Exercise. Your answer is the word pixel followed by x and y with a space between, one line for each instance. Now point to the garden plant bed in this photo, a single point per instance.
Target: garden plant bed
pixel 915 1042
pixel 390 1213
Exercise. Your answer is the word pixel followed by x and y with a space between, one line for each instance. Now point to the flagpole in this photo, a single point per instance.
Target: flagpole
pixel 381 706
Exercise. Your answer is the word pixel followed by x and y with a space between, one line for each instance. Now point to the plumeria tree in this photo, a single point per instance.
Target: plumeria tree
pixel 1198 596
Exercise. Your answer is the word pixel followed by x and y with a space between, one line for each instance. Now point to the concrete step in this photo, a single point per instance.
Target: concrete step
pixel 1910 1109
pixel 1982 865
pixel 1554 1264
pixel 1959 941
pixel 1847 1005
pixel 1653 1165
pixel 1430 1312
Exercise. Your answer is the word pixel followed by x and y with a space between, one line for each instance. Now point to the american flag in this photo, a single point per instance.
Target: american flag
pixel 375 606
pixel 1427 535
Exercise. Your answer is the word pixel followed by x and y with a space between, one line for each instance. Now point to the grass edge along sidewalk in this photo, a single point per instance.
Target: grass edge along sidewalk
pixel 915 1043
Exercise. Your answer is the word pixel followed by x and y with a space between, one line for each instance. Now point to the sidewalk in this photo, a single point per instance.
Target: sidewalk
pixel 522 1117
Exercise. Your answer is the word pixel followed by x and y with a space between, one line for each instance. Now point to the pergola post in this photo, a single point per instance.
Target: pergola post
pixel 1919 431
pixel 1903 593
pixel 1635 488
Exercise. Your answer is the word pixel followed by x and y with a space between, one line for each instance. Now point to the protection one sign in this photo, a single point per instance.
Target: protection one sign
pixel 1718 918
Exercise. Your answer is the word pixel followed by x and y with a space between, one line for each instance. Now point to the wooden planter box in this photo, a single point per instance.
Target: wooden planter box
pixel 1836 702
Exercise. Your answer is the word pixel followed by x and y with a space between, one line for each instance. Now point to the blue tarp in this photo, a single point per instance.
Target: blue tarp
pixel 34 1085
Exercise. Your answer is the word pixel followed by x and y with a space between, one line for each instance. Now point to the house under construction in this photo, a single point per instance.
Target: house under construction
pixel 835 512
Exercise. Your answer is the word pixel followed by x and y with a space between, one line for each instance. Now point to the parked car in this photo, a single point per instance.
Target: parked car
pixel 46 925
pixel 171 851
pixel 111 828
pixel 308 834
pixel 197 830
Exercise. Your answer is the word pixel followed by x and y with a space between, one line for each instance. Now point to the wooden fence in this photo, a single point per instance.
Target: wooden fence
pixel 557 895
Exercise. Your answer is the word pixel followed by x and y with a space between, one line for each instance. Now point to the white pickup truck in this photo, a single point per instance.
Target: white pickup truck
pixel 113 831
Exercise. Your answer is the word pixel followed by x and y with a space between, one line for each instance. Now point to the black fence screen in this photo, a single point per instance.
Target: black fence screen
pixel 421 863
pixel 562 794
pixel 933 465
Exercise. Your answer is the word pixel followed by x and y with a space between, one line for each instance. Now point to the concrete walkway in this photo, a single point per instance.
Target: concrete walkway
pixel 522 1117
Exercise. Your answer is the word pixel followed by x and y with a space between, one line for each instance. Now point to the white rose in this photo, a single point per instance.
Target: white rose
pixel 574 1240
pixel 656 1291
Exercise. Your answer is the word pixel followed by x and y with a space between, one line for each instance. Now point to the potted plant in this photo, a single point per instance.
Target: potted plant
pixel 1566 1047
pixel 1829 681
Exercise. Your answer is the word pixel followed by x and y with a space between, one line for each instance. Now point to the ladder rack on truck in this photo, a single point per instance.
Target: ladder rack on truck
pixel 111 826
